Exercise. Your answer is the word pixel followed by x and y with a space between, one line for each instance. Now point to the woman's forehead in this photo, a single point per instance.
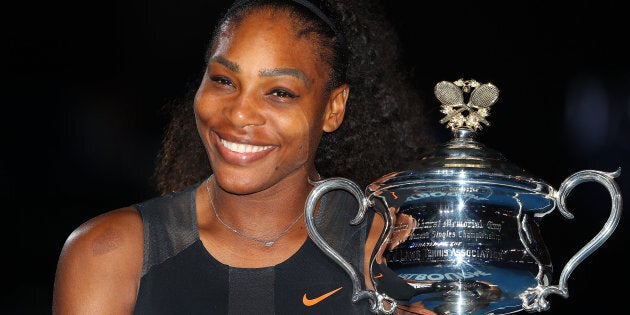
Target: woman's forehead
pixel 266 18
pixel 270 38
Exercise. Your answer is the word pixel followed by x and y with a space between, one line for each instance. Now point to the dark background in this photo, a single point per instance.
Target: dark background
pixel 85 82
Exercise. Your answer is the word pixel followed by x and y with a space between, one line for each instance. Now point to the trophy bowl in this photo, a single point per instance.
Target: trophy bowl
pixel 462 223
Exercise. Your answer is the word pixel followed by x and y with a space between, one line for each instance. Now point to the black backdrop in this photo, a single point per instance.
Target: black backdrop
pixel 85 81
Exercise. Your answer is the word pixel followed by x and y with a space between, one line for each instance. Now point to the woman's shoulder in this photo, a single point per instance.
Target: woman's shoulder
pixel 106 231
pixel 101 261
pixel 123 227
pixel 108 236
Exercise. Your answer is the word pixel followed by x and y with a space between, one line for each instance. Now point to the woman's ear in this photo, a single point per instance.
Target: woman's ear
pixel 336 108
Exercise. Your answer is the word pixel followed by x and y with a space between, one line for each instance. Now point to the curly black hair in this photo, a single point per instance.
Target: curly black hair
pixel 385 124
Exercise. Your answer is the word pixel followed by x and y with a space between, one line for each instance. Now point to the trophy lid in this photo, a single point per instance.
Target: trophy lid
pixel 463 161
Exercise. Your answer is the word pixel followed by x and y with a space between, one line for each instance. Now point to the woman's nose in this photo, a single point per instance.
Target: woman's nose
pixel 245 110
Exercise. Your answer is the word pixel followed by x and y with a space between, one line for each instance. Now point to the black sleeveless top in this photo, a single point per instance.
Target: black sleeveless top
pixel 179 276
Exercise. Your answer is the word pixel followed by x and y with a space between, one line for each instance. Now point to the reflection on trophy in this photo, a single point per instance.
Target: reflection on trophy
pixel 405 225
pixel 462 222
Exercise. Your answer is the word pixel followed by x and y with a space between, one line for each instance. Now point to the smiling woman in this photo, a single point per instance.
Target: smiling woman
pixel 290 93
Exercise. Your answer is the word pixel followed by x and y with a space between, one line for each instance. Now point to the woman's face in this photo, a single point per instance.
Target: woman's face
pixel 261 107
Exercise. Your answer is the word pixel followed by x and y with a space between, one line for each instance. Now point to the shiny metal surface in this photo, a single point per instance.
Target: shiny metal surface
pixel 463 222
pixel 380 302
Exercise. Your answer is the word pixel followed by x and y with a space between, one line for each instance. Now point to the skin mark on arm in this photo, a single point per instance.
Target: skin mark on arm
pixel 106 242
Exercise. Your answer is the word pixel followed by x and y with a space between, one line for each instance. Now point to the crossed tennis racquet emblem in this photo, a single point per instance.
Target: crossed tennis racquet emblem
pixel 460 114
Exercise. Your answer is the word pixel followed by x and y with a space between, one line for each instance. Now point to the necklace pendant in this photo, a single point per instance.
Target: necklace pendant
pixel 269 243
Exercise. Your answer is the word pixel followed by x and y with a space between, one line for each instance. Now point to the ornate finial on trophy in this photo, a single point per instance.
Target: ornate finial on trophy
pixel 466 115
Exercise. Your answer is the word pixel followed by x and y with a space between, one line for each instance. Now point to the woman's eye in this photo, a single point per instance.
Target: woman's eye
pixel 282 93
pixel 221 80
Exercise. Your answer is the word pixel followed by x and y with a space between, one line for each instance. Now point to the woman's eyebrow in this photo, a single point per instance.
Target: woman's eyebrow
pixel 226 63
pixel 265 72
pixel 286 71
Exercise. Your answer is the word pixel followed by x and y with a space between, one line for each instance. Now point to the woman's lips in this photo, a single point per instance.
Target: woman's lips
pixel 244 148
pixel 240 153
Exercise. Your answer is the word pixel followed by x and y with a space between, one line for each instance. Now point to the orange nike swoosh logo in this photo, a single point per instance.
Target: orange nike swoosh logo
pixel 380 275
pixel 311 302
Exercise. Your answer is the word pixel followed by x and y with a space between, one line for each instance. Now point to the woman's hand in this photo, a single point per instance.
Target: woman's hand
pixel 414 308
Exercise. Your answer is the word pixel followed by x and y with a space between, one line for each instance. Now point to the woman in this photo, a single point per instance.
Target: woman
pixel 228 235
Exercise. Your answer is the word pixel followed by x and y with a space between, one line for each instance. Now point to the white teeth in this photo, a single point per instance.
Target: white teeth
pixel 244 148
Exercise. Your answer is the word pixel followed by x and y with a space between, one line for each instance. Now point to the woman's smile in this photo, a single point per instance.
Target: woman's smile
pixel 239 152
pixel 244 148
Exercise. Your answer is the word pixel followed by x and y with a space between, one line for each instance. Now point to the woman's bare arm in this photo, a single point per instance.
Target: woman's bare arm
pixel 100 265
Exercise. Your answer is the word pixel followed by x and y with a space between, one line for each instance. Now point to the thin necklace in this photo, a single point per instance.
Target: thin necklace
pixel 267 243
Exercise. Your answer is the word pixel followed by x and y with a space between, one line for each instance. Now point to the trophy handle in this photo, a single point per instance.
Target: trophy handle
pixel 606 179
pixel 377 300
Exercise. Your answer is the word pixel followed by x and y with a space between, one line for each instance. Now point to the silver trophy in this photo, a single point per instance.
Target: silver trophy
pixel 462 222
